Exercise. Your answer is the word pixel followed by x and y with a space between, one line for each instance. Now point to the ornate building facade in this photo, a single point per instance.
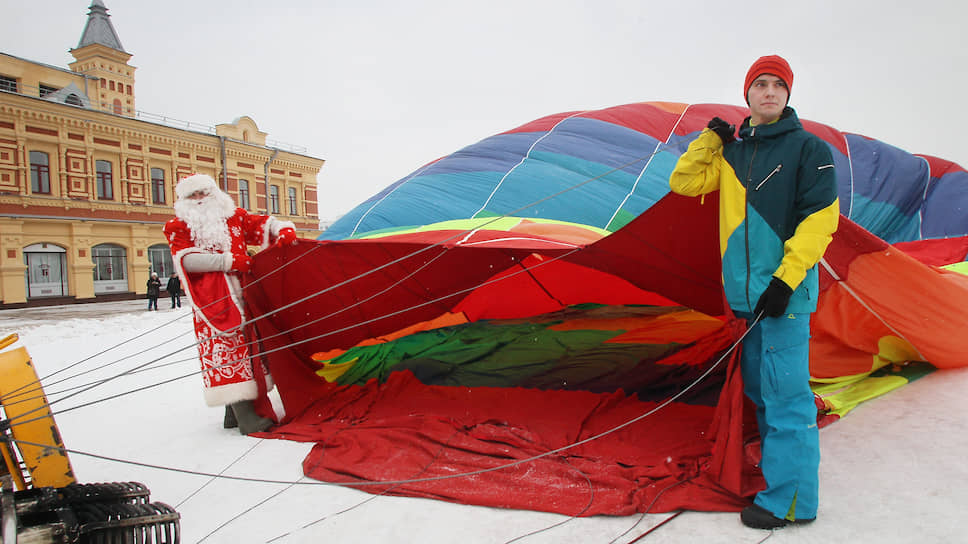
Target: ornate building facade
pixel 86 183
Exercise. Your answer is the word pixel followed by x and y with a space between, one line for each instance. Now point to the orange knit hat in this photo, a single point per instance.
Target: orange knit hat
pixel 772 64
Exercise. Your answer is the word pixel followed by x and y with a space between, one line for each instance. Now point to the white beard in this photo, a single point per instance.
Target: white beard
pixel 206 219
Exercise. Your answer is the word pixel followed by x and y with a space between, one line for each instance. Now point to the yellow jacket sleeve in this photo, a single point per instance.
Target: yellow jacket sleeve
pixel 698 169
pixel 808 244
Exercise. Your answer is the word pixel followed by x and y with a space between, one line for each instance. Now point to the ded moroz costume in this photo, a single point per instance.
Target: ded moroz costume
pixel 208 237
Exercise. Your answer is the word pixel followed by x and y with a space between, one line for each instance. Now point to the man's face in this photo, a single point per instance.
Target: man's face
pixel 767 96
pixel 198 196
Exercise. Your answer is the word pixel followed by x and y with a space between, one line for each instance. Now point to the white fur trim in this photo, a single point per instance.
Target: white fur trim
pixel 222 395
pixel 203 262
pixel 196 182
pixel 234 392
pixel 278 225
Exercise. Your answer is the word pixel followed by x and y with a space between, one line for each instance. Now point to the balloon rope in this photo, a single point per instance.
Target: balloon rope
pixel 430 478
pixel 321 291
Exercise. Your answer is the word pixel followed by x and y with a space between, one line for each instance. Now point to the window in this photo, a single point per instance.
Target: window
pixel 110 262
pixel 117 108
pixel 292 201
pixel 73 100
pixel 244 194
pixel 39 172
pixel 273 199
pixel 105 189
pixel 8 84
pixel 110 268
pixel 157 185
pixel 160 258
pixel 47 89
pixel 46 272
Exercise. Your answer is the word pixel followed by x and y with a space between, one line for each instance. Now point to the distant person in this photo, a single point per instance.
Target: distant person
pixel 174 290
pixel 778 210
pixel 154 291
pixel 208 238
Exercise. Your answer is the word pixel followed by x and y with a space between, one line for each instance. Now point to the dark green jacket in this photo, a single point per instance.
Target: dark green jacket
pixel 778 206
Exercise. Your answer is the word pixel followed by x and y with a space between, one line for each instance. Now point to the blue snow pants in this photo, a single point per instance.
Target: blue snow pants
pixel 776 377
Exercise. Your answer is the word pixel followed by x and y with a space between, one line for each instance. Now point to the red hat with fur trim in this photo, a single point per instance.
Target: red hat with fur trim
pixel 772 64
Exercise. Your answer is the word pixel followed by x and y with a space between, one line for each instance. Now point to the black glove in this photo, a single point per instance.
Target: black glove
pixel 725 130
pixel 773 302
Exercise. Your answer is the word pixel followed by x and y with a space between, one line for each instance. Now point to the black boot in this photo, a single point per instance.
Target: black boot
pixel 757 517
pixel 249 421
pixel 229 422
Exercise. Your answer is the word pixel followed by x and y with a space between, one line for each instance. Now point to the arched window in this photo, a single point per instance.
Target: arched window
pixel 105 179
pixel 117 107
pixel 293 210
pixel 73 100
pixel 39 172
pixel 46 273
pixel 157 185
pixel 160 257
pixel 110 269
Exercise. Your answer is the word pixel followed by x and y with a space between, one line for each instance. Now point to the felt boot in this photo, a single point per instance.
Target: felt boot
pixel 229 422
pixel 249 421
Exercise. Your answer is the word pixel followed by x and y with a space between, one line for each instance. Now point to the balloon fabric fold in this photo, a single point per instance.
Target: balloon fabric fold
pixel 535 322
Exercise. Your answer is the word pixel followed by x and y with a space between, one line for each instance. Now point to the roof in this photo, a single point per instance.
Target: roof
pixel 99 29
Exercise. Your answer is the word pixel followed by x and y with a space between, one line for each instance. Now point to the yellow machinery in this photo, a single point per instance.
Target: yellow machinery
pixel 25 405
pixel 40 499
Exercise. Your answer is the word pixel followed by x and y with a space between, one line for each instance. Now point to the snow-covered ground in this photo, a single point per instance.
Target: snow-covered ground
pixel 893 471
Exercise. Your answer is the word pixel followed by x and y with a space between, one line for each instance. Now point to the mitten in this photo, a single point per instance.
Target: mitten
pixel 286 237
pixel 240 263
pixel 724 130
pixel 774 300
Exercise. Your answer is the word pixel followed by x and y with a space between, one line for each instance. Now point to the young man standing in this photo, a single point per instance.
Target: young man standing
pixel 778 211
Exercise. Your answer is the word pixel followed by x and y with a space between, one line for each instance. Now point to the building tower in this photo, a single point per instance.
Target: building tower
pixel 100 54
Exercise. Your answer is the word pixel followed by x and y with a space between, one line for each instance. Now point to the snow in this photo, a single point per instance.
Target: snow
pixel 892 471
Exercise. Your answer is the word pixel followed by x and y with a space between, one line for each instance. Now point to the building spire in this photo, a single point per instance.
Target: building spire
pixel 99 29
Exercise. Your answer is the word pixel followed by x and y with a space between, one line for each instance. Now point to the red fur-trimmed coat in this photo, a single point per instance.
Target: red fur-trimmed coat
pixel 218 310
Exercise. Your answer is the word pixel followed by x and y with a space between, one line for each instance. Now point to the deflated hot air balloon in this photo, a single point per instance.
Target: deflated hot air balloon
pixel 535 322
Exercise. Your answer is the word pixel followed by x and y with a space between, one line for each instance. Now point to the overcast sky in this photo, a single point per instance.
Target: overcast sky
pixel 379 88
